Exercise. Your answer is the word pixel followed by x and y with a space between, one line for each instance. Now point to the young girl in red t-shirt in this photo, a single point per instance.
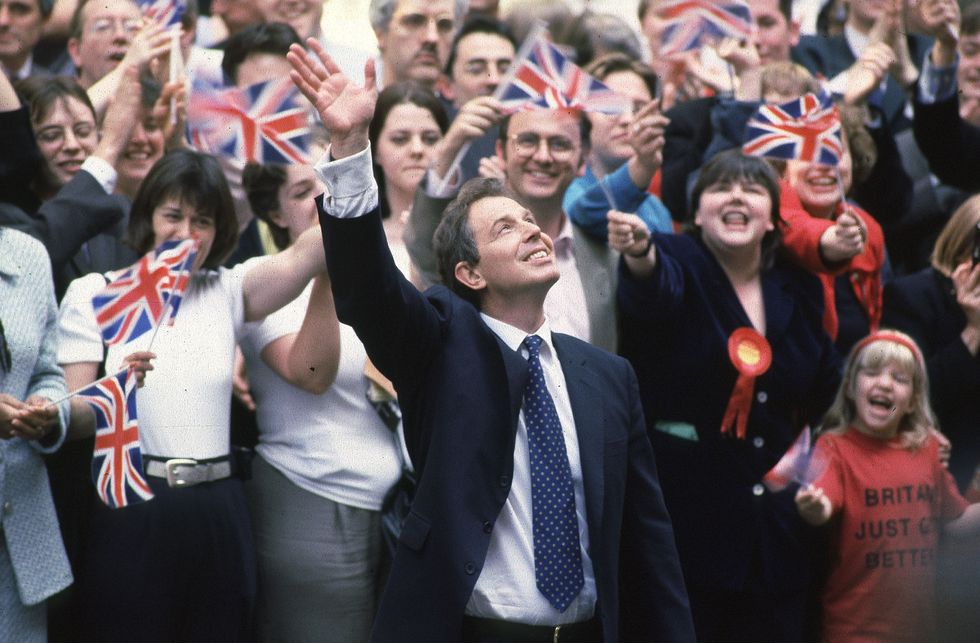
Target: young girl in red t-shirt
pixel 886 494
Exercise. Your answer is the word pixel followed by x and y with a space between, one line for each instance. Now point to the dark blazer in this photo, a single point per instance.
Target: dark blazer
pixel 950 144
pixel 460 390
pixel 923 305
pixel 828 56
pixel 676 325
pixel 596 265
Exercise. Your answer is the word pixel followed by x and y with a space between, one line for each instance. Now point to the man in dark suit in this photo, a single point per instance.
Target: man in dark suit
pixel 538 514
pixel 874 34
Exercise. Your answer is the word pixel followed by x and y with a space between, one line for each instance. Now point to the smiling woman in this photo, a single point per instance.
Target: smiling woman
pixel 702 314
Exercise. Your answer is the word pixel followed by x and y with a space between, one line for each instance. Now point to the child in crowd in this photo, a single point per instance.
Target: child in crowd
pixel 887 495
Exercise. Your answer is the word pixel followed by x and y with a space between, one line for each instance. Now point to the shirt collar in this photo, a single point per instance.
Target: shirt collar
pixel 513 336
pixel 565 242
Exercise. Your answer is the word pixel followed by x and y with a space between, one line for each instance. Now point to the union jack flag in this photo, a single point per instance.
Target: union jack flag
pixel 117 464
pixel 799 464
pixel 136 298
pixel 544 78
pixel 167 12
pixel 805 129
pixel 690 24
pixel 262 123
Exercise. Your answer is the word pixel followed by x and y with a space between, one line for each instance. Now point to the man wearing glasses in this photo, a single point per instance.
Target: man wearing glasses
pixel 539 153
pixel 101 34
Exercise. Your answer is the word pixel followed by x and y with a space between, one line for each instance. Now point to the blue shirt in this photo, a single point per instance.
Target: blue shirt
pixel 586 202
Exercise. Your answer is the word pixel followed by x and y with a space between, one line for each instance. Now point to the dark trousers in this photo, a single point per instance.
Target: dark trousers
pixel 180 567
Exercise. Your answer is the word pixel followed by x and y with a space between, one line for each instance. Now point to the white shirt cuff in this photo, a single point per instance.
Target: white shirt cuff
pixel 102 171
pixel 351 188
pixel 437 187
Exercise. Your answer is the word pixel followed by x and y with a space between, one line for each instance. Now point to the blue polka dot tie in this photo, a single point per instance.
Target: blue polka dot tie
pixel 557 558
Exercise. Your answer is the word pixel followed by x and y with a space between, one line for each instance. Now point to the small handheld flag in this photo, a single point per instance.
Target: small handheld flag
pixel 542 77
pixel 806 129
pixel 136 298
pixel 262 123
pixel 166 12
pixel 691 24
pixel 799 464
pixel 117 464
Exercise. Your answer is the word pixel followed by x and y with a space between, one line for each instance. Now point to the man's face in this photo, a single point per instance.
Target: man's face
pixel 20 29
pixel 261 67
pixel 774 35
pixel 543 153
pixel 108 27
pixel 514 254
pixel 481 61
pixel 968 73
pixel 416 44
pixel 301 15
pixel 863 13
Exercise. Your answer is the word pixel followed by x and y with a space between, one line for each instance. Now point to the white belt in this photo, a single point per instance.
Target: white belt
pixel 185 472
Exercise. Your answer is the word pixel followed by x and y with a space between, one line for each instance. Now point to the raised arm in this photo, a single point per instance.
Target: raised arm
pixel 309 358
pixel 399 327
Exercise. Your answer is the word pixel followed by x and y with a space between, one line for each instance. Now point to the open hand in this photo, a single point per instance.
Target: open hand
pixel 345 108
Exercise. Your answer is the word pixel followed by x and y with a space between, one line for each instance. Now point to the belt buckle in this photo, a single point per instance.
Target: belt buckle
pixel 172 471
pixel 557 632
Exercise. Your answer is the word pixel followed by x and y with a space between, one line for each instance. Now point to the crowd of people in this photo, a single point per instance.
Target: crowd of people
pixel 479 373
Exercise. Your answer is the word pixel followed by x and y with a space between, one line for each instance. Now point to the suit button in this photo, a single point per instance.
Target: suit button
pixel 504 481
pixel 758 442
pixel 758 489
pixel 8 508
pixel 762 396
pixel 469 568
pixel 487 527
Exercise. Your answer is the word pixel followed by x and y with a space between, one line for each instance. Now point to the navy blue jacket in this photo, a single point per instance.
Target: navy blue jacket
pixel 460 390
pixel 675 330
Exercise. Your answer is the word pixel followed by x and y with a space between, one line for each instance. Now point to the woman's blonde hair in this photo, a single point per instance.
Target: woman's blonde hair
pixel 874 352
pixel 955 242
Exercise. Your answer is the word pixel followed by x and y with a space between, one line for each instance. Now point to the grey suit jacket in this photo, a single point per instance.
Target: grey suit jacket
pixel 27 519
pixel 596 266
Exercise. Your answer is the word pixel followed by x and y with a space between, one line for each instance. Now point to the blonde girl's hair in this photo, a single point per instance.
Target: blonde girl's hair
pixel 873 352
pixel 955 242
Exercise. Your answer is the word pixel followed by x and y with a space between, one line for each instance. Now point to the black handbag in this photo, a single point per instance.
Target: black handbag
pixel 398 500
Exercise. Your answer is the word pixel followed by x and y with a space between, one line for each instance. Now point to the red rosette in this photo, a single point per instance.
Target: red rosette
pixel 751 356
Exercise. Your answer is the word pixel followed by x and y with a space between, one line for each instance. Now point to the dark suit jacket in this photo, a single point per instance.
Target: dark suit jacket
pixel 923 305
pixel 950 144
pixel 596 265
pixel 828 56
pixel 676 325
pixel 460 390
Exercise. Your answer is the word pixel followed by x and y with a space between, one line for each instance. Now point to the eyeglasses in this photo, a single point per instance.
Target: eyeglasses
pixel 5 360
pixel 417 21
pixel 561 148
pixel 103 26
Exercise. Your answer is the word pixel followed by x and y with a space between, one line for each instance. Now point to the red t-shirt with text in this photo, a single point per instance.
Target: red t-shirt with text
pixel 889 506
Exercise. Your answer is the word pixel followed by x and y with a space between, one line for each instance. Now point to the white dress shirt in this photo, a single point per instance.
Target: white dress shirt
pixel 565 306
pixel 506 588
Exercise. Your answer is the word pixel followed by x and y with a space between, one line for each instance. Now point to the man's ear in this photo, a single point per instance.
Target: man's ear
pixel 72 47
pixel 469 276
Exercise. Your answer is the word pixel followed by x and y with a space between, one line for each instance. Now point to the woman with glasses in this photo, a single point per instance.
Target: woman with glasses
pixel 33 564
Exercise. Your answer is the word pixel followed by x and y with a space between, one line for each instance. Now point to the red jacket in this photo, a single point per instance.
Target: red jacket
pixel 801 239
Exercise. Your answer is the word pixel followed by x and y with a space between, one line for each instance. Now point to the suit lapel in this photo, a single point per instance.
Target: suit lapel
pixel 587 407
pixel 517 372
